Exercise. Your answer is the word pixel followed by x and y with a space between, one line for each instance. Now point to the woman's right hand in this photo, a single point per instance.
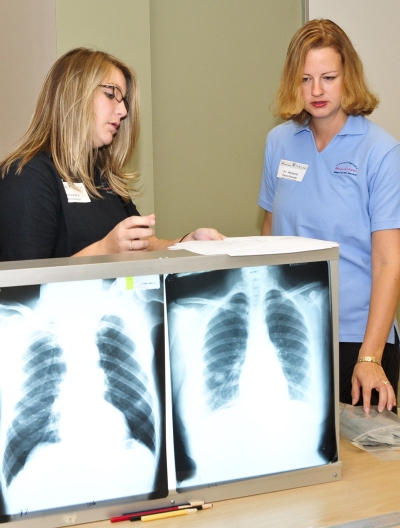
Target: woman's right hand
pixel 132 234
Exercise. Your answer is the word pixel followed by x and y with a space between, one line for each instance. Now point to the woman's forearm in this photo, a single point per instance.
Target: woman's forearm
pixel 385 291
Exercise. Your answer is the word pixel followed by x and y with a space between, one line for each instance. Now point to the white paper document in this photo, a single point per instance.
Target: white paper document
pixel 254 245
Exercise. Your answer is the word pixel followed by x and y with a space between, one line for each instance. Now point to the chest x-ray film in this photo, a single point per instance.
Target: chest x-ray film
pixel 82 405
pixel 251 372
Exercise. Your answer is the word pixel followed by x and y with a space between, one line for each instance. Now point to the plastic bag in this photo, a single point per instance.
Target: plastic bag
pixel 373 429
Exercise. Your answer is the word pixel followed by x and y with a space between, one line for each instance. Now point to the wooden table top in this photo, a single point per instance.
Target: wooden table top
pixel 369 488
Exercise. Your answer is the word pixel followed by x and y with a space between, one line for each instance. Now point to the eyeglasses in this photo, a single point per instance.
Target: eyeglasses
pixel 115 93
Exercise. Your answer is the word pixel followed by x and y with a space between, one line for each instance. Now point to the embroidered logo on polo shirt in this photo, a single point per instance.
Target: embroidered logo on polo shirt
pixel 346 168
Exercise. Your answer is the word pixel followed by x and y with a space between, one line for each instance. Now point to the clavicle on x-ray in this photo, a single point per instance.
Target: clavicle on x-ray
pixel 250 357
pixel 81 405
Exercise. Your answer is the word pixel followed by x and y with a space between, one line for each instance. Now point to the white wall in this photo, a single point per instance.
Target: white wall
pixel 374 28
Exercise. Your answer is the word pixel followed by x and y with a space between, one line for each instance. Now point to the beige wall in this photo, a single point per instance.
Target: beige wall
pixel 215 67
pixel 28 49
pixel 122 28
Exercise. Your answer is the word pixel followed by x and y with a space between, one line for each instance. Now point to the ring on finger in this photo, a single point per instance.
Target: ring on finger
pixel 130 245
pixel 386 382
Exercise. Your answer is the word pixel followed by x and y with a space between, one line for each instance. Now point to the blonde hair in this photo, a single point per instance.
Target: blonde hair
pixel 64 123
pixel 357 99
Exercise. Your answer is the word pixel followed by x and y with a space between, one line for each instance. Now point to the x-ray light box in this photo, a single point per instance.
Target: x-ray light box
pixel 128 383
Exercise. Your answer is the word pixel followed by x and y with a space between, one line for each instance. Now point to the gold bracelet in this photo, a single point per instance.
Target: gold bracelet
pixel 369 359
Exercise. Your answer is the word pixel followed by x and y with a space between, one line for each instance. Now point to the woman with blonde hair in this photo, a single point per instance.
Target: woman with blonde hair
pixel 329 173
pixel 65 190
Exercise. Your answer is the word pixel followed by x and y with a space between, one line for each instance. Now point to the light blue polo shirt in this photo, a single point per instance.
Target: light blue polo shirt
pixel 349 190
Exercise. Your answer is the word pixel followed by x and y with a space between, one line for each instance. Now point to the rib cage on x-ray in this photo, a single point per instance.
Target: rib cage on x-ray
pixel 35 421
pixel 126 381
pixel 289 334
pixel 224 350
pixel 226 337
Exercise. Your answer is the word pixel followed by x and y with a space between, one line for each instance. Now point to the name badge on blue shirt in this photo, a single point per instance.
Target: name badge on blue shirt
pixel 291 170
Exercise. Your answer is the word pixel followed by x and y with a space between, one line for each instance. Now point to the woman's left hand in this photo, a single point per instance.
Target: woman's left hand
pixel 368 376
pixel 203 233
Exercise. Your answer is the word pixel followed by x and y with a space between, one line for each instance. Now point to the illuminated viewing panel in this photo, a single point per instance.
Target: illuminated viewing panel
pixel 82 393
pixel 251 364
pixel 121 394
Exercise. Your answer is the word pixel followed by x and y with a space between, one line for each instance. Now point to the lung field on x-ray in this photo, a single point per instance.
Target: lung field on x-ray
pixel 289 334
pixel 35 421
pixel 226 337
pixel 127 382
pixel 224 351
